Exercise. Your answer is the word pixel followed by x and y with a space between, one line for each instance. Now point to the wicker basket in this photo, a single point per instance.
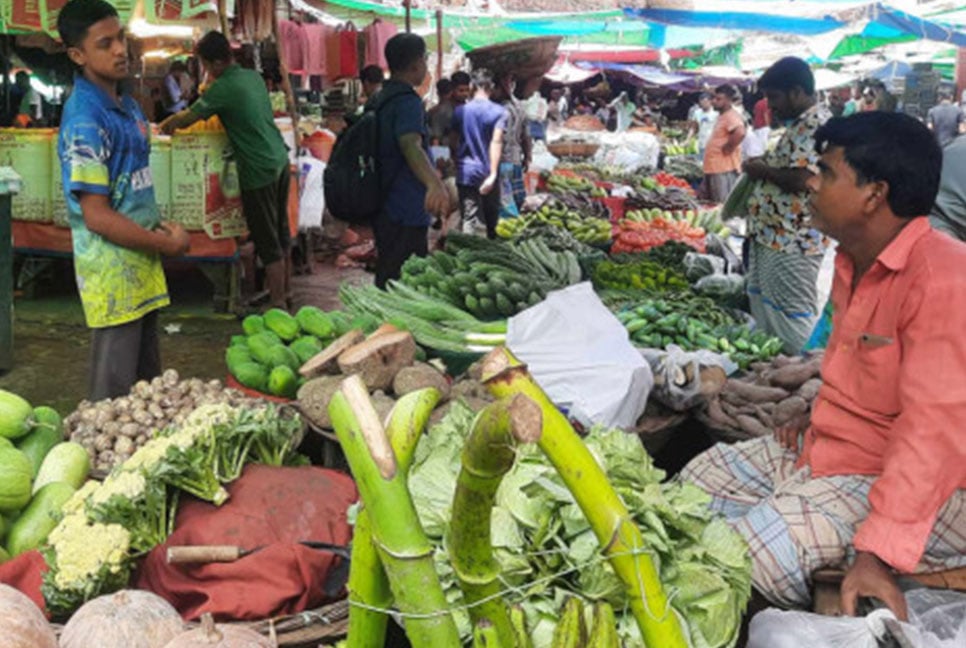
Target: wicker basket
pixel 525 58
pixel 564 148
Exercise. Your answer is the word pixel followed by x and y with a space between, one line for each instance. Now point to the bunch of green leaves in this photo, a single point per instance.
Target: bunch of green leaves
pixel 548 551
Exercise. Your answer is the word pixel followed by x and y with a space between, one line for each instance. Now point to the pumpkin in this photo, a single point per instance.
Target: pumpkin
pixel 210 635
pixel 124 619
pixel 22 624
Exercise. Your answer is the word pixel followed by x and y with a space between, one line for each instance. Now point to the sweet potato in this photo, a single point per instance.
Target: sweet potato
pixel 755 393
pixel 791 377
pixel 764 417
pixel 788 410
pixel 718 417
pixel 752 426
pixel 809 391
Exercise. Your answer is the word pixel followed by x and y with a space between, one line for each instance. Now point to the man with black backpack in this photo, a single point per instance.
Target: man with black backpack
pixel 380 171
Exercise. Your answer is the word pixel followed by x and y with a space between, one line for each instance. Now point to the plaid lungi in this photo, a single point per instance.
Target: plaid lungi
pixel 795 524
pixel 512 189
pixel 783 294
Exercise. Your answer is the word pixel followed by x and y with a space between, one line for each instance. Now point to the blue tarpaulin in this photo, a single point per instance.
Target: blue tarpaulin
pixel 884 22
pixel 652 76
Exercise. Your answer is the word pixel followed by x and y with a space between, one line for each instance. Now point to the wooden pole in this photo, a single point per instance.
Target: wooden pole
pixel 409 21
pixel 286 82
pixel 223 16
pixel 439 44
pixel 6 278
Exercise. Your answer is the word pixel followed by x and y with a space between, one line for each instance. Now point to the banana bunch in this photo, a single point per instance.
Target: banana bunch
pixel 689 147
pixel 558 183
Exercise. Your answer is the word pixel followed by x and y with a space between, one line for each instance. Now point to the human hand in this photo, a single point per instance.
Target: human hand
pixel 488 185
pixel 756 169
pixel 869 576
pixel 178 241
pixel 789 434
pixel 167 126
pixel 437 200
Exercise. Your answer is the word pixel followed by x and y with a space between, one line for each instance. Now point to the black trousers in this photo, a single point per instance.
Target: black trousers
pixel 477 208
pixel 122 355
pixel 266 214
pixel 395 243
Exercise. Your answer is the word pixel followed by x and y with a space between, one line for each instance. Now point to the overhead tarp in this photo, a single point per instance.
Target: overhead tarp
pixel 470 39
pixel 161 11
pixel 826 79
pixel 567 73
pixel 588 54
pixel 648 76
pixel 737 20
pixel 459 17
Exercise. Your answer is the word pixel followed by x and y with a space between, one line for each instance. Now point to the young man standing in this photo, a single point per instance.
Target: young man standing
pixel 722 156
pixel 240 99
pixel 945 120
pixel 439 118
pixel 415 194
pixel 516 148
pixel 476 144
pixel 462 87
pixel 701 118
pixel 785 252
pixel 875 481
pixel 117 232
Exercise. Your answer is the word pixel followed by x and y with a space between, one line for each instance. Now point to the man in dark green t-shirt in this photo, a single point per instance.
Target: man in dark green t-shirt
pixel 240 99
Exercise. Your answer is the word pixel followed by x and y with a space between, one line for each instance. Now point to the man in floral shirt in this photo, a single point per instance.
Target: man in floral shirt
pixel 785 252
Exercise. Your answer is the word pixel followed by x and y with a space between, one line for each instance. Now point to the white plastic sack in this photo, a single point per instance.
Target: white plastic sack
pixel 630 151
pixel 580 354
pixel 937 619
pixel 311 194
pixel 541 159
pixel 677 374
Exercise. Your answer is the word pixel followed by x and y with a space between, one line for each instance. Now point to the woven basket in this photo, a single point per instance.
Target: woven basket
pixel 573 149
pixel 525 58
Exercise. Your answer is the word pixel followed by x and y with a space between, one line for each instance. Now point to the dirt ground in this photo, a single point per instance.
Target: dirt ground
pixel 52 342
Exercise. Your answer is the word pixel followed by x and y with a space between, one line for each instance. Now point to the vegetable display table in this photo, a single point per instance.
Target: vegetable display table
pixel 9 185
pixel 218 259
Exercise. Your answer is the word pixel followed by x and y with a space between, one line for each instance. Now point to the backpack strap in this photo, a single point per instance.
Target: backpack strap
pixel 380 101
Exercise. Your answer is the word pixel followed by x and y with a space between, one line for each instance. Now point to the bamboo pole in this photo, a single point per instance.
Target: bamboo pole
pixel 223 17
pixel 368 583
pixel 439 44
pixel 290 103
pixel 401 543
pixel 409 18
pixel 487 456
pixel 621 540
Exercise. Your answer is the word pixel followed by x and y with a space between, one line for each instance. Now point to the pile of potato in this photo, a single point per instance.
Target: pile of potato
pixel 773 394
pixel 112 429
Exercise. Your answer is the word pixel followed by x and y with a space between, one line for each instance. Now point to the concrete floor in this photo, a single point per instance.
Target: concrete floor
pixel 52 342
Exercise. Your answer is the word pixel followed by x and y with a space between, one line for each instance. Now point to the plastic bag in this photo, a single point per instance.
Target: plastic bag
pixel 542 159
pixel 311 195
pixel 937 619
pixel 677 375
pixel 698 266
pixel 580 354
pixel 721 286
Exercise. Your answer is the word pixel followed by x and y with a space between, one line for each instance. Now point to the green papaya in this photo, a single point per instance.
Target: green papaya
pixel 306 347
pixel 261 345
pixel 282 382
pixel 314 321
pixel 252 375
pixel 281 323
pixel 282 356
pixel 253 324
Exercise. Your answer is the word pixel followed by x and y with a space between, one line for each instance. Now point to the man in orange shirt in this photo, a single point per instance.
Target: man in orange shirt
pixel 722 155
pixel 879 482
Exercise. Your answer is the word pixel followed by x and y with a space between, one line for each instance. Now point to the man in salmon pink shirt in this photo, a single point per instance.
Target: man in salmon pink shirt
pixel 878 486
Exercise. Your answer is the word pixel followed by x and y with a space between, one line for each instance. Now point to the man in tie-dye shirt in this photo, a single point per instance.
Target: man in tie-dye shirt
pixel 116 227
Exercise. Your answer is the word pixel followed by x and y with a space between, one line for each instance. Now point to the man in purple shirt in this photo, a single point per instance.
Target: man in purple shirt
pixel 476 142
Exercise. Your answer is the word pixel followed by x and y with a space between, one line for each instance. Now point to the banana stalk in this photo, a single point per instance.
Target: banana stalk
pixel 503 374
pixel 518 619
pixel 368 583
pixel 603 633
pixel 400 541
pixel 486 636
pixel 571 632
pixel 487 456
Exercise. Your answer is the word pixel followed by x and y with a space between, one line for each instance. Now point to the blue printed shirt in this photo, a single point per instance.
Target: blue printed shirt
pixel 103 148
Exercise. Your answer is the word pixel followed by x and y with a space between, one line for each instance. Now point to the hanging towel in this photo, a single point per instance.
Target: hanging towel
pixel 348 52
pixel 315 49
pixel 333 70
pixel 294 43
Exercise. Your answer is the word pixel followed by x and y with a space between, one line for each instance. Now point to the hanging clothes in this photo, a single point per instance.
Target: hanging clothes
pixel 294 45
pixel 348 51
pixel 377 35
pixel 314 48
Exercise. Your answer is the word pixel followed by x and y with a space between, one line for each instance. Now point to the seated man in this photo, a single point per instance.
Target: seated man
pixel 878 484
